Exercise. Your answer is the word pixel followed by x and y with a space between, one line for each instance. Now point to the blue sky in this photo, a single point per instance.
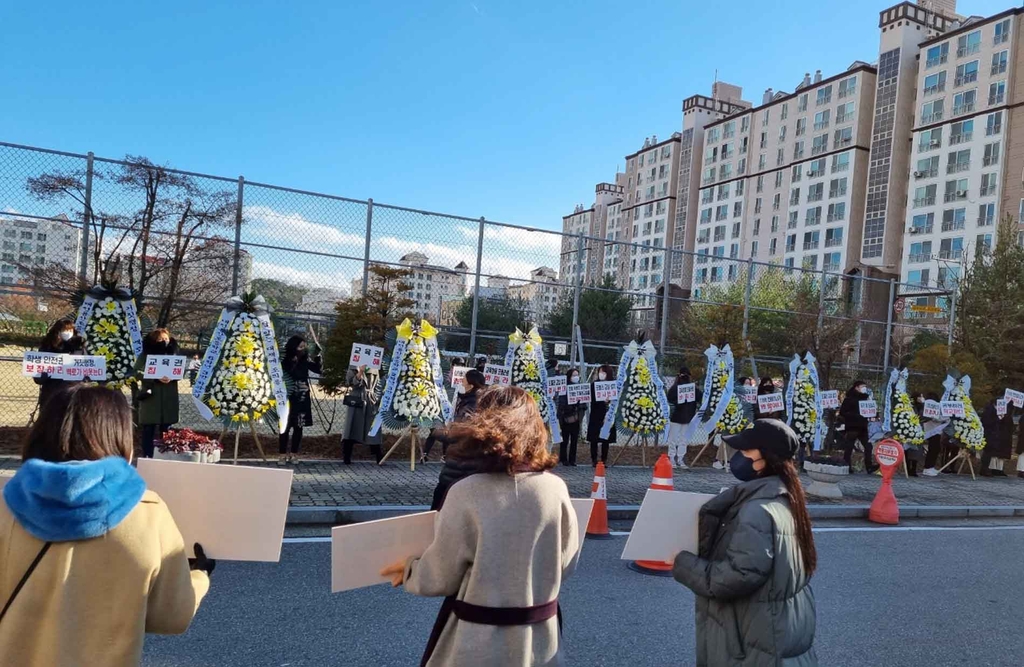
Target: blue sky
pixel 512 110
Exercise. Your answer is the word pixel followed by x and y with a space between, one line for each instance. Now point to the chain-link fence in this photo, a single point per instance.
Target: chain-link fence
pixel 185 242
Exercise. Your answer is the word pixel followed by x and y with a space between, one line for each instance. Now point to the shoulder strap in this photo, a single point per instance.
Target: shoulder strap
pixel 28 573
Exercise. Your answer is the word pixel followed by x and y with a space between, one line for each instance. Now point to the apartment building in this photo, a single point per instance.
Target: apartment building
pixel 967 157
pixel 26 244
pixel 592 223
pixel 785 181
pixel 541 294
pixel 431 284
pixel 580 221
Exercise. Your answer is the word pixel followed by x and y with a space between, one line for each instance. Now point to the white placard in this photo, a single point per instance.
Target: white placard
pixel 605 391
pixel 747 394
pixel 1015 397
pixel 830 398
pixel 561 349
pixel 1001 404
pixel 868 409
pixel 933 428
pixel 370 356
pixel 359 551
pixel 767 403
pixel 458 374
pixel 578 393
pixel 77 368
pixel 34 364
pixel 686 393
pixel 164 367
pixel 557 385
pixel 932 410
pixel 234 512
pixel 584 508
pixel 499 375
pixel 953 409
pixel 666 524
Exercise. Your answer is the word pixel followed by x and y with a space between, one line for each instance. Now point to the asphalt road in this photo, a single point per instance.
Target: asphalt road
pixel 895 598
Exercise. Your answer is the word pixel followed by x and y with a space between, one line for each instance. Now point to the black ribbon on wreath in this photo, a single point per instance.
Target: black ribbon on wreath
pixel 100 292
pixel 256 305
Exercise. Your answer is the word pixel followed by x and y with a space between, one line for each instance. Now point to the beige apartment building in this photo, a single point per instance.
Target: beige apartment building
pixel 784 181
pixel 540 294
pixel 592 224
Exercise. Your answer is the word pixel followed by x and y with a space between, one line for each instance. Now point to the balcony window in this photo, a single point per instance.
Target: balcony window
pixel 964 103
pixel 821 120
pixel 999 61
pixel 848 87
pixel 966 73
pixel 937 55
pixel 935 83
pixel 1002 33
pixel 958 161
pixel 924 196
pixel 954 219
pixel 794 220
pixel 922 224
pixel 968 44
pixel 929 140
pixel 833 237
pixel 986 215
pixel 920 252
pixel 837 212
pixel 820 145
pixel 994 124
pixel 824 95
pixel 843 137
pixel 997 92
pixel 927 167
pixel 932 111
pixel 991 154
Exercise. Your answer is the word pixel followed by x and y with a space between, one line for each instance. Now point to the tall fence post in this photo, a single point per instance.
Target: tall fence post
pixel 476 293
pixel 746 315
pixel 888 326
pixel 821 309
pixel 86 219
pixel 238 236
pixel 952 322
pixel 577 287
pixel 665 284
pixel 366 249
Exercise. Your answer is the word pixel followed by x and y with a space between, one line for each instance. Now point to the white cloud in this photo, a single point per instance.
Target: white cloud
pixel 292 226
pixel 299 277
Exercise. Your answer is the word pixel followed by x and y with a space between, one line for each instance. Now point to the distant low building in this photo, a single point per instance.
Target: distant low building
pixel 321 301
pixel 541 294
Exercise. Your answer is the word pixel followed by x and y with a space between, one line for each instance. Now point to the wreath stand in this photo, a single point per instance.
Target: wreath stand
pixel 963 457
pixel 711 439
pixel 238 436
pixel 643 448
pixel 412 434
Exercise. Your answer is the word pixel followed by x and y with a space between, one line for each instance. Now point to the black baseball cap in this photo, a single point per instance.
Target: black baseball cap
pixel 770 436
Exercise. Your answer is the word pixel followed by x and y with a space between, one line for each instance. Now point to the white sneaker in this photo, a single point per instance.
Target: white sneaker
pixel 682 465
pixel 930 472
pixel 718 465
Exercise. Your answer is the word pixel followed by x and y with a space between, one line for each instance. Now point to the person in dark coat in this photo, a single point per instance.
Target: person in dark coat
pixel 998 439
pixel 1020 450
pixel 157 400
pixel 362 387
pixel 855 427
pixel 932 456
pixel 60 339
pixel 767 386
pixel 598 412
pixel 297 366
pixel 472 384
pixel 569 419
pixel 680 415
pixel 751 577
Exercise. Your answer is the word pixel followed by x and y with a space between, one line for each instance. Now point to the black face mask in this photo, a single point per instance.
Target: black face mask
pixel 742 468
pixel 163 346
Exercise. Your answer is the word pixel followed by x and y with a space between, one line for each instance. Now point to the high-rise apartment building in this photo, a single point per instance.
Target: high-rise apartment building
pixel 784 181
pixel 541 294
pixel 29 244
pixel 431 284
pixel 592 223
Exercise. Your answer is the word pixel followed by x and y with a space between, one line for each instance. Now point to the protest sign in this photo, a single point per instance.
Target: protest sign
pixel 557 385
pixel 164 367
pixel 360 550
pixel 830 398
pixel 34 364
pixel 1001 404
pixel 458 373
pixel 952 409
pixel 665 525
pixel 1016 397
pixel 605 391
pixel 768 403
pixel 747 394
pixel 370 356
pixel 932 410
pixel 686 393
pixel 77 368
pixel 578 393
pixel 868 409
pixel 498 375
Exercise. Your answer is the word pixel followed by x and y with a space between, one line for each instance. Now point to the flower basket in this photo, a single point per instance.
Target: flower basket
pixel 826 474
pixel 187 445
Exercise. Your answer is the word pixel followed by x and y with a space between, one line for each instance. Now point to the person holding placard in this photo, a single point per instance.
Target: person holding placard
pixel 765 388
pixel 998 438
pixel 570 415
pixel 683 412
pixel 472 384
pixel 361 407
pixel 156 400
pixel 855 425
pixel 506 539
pixel 928 422
pixel 101 559
pixel 598 411
pixel 60 339
pixel 297 365
pixel 756 558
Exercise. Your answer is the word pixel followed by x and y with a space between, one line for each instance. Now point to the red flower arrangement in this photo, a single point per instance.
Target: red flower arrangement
pixel 185 440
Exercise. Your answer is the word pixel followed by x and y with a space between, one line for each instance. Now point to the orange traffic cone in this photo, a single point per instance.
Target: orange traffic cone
pixel 662 481
pixel 598 526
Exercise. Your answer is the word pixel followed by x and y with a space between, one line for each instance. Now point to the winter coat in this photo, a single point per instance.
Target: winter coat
pixel 566 412
pixel 595 420
pixel 500 542
pixel 849 412
pixel 998 431
pixel 297 370
pixel 116 570
pixel 358 420
pixel 48 385
pixel 748 409
pixel 755 606
pixel 682 413
pixel 452 471
pixel 157 402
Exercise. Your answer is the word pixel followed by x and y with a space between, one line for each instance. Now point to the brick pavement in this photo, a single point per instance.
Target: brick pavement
pixel 333 484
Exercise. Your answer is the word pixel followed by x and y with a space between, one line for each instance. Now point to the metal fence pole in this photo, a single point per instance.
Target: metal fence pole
pixel 821 310
pixel 665 284
pixel 366 249
pixel 238 236
pixel 952 322
pixel 476 292
pixel 86 219
pixel 576 299
pixel 888 326
pixel 746 314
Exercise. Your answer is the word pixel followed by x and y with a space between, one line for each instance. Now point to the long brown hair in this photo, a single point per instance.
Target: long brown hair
pixel 52 339
pixel 797 505
pixel 81 423
pixel 505 434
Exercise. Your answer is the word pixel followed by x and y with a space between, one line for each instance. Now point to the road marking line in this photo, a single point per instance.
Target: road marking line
pixel 305 540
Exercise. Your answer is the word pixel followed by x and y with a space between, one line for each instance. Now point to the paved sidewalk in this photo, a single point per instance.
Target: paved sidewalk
pixel 333 484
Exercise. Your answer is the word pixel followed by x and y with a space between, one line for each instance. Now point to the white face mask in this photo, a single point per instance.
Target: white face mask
pixel 574 379
pixel 602 376
pixel 66 335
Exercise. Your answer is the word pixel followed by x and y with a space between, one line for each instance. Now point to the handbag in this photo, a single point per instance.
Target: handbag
pixel 24 578
pixel 355 398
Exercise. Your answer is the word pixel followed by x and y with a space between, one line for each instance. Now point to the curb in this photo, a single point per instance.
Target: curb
pixel 341 515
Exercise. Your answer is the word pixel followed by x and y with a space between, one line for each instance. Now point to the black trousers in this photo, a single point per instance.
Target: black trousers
pixel 570 441
pixel 295 427
pixel 849 444
pixel 604 451
pixel 348 445
pixel 149 437
pixel 431 439
pixel 931 459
